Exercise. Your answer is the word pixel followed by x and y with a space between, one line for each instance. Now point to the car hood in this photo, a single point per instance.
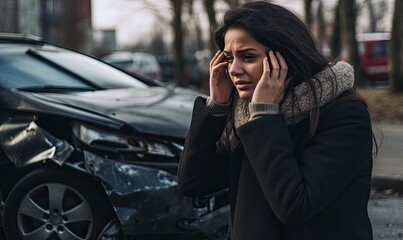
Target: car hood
pixel 154 110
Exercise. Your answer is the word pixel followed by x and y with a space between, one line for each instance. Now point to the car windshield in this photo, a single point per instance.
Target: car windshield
pixel 43 69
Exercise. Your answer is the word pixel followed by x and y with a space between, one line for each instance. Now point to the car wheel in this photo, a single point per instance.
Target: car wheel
pixel 51 204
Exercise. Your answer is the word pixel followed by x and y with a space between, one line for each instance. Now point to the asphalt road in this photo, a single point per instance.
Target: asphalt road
pixel 386 213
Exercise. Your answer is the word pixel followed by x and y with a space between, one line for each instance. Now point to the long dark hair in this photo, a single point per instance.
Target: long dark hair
pixel 280 30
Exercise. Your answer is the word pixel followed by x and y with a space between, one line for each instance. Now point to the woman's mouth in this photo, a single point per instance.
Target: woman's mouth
pixel 242 85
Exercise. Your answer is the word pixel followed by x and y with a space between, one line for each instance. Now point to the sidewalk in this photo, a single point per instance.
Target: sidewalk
pixel 388 164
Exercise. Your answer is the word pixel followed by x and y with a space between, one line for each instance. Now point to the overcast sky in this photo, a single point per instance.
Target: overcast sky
pixel 132 19
pixel 128 17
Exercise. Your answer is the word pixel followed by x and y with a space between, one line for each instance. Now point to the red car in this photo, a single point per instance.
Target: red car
pixel 372 48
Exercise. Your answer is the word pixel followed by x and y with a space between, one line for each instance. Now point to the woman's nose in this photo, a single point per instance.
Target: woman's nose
pixel 235 68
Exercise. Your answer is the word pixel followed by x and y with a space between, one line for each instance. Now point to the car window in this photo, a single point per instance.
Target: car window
pixel 379 50
pixel 22 71
pixel 123 64
pixel 92 70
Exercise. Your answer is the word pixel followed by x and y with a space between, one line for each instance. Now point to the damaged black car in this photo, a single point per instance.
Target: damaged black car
pixel 88 151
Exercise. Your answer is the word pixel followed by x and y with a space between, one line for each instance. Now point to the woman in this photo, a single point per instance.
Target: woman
pixel 283 130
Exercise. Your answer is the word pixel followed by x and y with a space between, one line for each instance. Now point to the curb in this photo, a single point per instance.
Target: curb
pixel 384 183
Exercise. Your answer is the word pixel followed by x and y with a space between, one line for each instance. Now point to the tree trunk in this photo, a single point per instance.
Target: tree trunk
pixel 347 23
pixel 211 14
pixel 335 45
pixel 321 26
pixel 308 13
pixel 372 17
pixel 195 25
pixel 396 50
pixel 178 42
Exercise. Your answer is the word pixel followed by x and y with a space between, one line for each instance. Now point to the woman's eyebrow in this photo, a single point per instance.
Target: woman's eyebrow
pixel 241 50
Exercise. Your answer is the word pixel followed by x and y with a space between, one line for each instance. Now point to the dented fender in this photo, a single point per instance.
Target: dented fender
pixel 24 143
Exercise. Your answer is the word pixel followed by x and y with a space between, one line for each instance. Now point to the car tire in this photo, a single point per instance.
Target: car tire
pixel 55 204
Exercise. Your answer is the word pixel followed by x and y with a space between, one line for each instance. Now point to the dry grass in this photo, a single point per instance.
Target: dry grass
pixel 384 107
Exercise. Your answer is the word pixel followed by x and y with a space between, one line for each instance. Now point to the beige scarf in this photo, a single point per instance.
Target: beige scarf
pixel 327 85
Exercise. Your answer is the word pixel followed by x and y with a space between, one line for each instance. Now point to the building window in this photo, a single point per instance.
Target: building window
pixel 53 7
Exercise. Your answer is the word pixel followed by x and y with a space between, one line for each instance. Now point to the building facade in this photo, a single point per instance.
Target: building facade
pixel 8 17
pixel 29 16
pixel 62 22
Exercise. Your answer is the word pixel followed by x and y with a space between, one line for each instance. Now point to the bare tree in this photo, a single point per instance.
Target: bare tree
pixel 176 23
pixel 194 23
pixel 335 44
pixel 211 14
pixel 376 12
pixel 396 49
pixel 308 13
pixel 372 19
pixel 347 22
pixel 321 25
pixel 178 41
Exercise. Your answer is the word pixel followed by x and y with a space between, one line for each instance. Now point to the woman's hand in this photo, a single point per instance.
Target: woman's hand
pixel 220 84
pixel 272 85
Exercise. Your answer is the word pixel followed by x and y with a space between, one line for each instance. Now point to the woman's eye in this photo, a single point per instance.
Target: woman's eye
pixel 248 57
pixel 228 59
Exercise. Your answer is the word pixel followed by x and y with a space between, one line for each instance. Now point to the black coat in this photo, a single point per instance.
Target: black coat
pixel 284 184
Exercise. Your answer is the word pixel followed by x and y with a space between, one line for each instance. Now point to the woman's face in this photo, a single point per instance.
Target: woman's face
pixel 245 60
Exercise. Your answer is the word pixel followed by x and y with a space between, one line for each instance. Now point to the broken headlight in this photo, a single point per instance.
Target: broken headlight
pixel 119 142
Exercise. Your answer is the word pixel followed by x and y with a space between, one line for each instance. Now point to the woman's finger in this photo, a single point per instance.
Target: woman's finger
pixel 214 58
pixel 218 58
pixel 283 66
pixel 266 68
pixel 219 66
pixel 274 65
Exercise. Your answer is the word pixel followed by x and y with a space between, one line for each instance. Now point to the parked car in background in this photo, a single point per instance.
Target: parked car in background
pixel 90 152
pixel 372 48
pixel 140 63
pixel 191 72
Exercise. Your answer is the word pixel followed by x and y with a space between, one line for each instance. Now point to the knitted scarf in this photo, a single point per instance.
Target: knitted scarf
pixel 328 83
